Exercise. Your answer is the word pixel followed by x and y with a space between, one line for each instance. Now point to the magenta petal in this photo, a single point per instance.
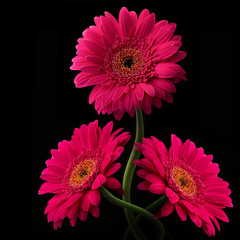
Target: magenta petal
pixel 165 84
pixel 94 197
pixel 175 149
pixel 96 79
pixel 195 218
pixel 94 210
pixel 85 203
pixel 143 15
pixel 172 196
pixel 167 49
pixel 109 29
pixel 148 88
pixel 100 179
pixel 143 185
pixel 114 23
pixel 94 47
pixel 167 209
pixel 147 26
pixel 157 188
pixel 81 79
pixel 90 69
pixel 139 92
pixel 96 60
pixel 112 183
pixel 181 212
pixel 178 56
pixel 125 21
pixel 83 215
pixel 114 167
pixel 167 69
pixel 165 34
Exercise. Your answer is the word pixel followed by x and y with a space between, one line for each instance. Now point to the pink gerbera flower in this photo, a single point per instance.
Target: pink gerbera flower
pixel 78 168
pixel 189 179
pixel 131 61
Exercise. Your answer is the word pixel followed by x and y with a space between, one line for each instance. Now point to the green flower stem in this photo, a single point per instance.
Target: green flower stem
pixel 128 175
pixel 151 208
pixel 130 168
pixel 158 225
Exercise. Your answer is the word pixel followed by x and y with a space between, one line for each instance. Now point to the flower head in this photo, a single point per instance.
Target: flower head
pixel 78 168
pixel 189 179
pixel 131 62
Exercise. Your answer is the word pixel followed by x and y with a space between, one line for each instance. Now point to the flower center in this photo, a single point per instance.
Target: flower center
pixel 81 172
pixel 184 181
pixel 129 61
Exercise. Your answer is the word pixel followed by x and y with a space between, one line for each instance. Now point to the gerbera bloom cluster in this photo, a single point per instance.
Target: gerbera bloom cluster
pixel 132 62
pixel 189 179
pixel 78 168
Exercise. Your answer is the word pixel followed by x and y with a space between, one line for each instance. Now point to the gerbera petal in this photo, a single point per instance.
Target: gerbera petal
pixel 165 84
pixel 139 92
pixel 144 185
pixel 178 56
pixel 167 49
pixel 109 30
pixel 195 218
pixel 185 149
pixel 94 210
pixel 94 47
pixel 85 202
pixel 147 26
pixel 181 211
pixel 165 34
pixel 74 198
pixel 96 60
pixel 112 183
pixel 99 180
pixel 125 21
pixel 83 215
pixel 97 79
pixel 92 33
pixel 82 79
pixel 114 22
pixel 114 167
pixel 167 69
pixel 50 188
pixel 157 188
pixel 166 210
pixel 94 197
pixel 172 196
pixel 175 147
pixel 153 178
pixel 148 88
pixel 92 69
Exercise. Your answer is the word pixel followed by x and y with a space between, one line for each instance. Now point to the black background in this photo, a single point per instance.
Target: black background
pixel 205 108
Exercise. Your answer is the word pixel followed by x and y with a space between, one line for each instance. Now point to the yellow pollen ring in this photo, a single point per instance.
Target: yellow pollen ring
pixel 81 172
pixel 127 61
pixel 184 181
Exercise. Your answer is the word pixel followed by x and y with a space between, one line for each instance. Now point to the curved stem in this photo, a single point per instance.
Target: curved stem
pixel 158 225
pixel 130 168
pixel 151 208
pixel 128 175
